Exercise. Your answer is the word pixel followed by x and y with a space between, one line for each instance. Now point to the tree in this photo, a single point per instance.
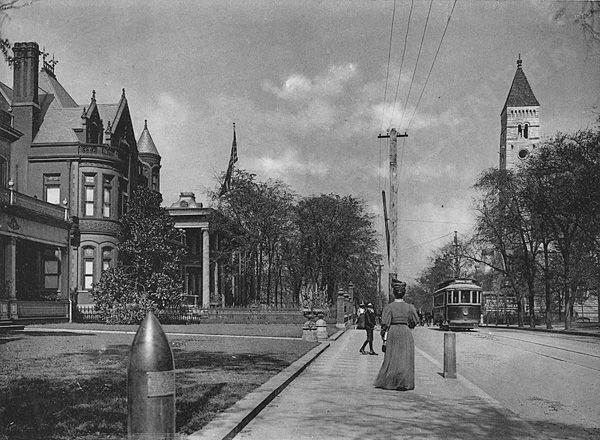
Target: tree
pixel 287 248
pixel 506 222
pixel 337 245
pixel 565 172
pixel 258 223
pixel 587 16
pixel 148 277
pixel 5 7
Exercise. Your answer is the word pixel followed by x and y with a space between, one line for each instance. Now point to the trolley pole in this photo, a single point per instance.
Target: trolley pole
pixel 393 158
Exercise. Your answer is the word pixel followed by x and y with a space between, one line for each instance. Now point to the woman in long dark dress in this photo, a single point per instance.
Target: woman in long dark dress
pixel 398 369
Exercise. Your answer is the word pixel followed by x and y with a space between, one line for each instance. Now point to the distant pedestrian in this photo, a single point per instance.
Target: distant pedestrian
pixel 369 327
pixel 398 369
pixel 360 317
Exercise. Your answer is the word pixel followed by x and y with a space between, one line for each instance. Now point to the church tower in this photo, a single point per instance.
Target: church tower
pixel 520 122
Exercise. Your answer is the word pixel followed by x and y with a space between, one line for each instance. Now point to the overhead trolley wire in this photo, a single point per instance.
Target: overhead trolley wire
pixel 433 63
pixel 402 59
pixel 387 74
pixel 427 242
pixel 417 62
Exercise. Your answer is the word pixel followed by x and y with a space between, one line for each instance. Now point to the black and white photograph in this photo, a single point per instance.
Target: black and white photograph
pixel 299 220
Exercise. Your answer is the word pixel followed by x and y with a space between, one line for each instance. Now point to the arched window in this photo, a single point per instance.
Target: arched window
pixel 526 131
pixel 519 130
pixel 154 185
pixel 107 258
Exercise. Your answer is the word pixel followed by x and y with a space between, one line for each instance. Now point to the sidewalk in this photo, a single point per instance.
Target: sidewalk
pixel 333 398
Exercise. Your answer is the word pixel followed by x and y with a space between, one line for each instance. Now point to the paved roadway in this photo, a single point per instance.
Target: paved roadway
pixel 512 385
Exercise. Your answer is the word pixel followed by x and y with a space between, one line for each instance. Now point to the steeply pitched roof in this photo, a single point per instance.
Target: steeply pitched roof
pixel 108 112
pixel 145 144
pixel 49 85
pixel 520 94
pixel 58 126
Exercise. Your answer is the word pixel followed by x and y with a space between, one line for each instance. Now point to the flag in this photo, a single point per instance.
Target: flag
pixel 232 160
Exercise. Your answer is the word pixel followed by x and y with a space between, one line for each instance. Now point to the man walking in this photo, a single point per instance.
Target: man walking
pixel 369 327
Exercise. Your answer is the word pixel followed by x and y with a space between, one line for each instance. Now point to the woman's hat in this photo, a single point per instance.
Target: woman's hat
pixel 398 286
pixel 369 305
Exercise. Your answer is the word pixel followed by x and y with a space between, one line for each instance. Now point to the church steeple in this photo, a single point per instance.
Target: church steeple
pixel 520 121
pixel 520 94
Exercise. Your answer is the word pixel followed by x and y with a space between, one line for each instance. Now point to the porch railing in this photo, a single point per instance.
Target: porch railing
pixel 15 198
pixel 42 309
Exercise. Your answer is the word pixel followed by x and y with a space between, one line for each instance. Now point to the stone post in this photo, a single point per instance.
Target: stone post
pixel 309 329
pixel 321 325
pixel 450 355
pixel 340 323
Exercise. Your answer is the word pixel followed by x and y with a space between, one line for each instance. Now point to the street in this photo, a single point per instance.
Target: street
pixel 550 380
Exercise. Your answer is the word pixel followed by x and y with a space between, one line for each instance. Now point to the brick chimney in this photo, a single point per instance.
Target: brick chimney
pixel 26 67
pixel 25 109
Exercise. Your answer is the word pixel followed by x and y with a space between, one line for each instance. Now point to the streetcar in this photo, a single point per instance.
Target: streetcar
pixel 457 304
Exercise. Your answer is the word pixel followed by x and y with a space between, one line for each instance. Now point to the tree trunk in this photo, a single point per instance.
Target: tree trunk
pixel 548 313
pixel 531 304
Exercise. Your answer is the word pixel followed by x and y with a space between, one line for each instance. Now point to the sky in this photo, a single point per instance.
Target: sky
pixel 305 83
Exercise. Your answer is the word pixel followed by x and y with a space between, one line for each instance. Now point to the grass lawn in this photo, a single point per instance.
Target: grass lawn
pixel 74 385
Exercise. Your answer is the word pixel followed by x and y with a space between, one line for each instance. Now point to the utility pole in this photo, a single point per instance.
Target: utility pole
pixel 393 158
pixel 456 259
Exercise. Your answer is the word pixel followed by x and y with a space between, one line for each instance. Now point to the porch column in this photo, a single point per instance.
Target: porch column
pixel 63 279
pixel 205 269
pixel 11 276
pixel 216 280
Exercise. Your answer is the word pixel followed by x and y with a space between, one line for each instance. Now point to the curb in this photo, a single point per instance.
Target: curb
pixel 230 422
pixel 337 334
pixel 544 330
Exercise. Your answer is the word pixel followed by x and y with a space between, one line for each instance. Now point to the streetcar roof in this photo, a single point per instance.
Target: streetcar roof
pixel 459 284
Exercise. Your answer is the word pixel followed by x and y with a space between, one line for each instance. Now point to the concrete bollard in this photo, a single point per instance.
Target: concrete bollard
pixel 321 330
pixel 150 384
pixel 450 355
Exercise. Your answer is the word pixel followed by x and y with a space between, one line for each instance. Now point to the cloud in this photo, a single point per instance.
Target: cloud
pixel 298 87
pixel 286 164
pixel 166 116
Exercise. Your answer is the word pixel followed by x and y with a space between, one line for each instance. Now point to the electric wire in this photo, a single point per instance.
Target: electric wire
pixel 432 64
pixel 427 242
pixel 416 62
pixel 402 59
pixel 387 74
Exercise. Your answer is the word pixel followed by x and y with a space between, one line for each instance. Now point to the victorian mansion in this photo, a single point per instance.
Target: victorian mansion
pixel 66 172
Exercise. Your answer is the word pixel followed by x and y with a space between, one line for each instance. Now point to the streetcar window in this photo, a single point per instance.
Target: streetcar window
pixel 465 296
pixel 474 296
pixel 455 297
